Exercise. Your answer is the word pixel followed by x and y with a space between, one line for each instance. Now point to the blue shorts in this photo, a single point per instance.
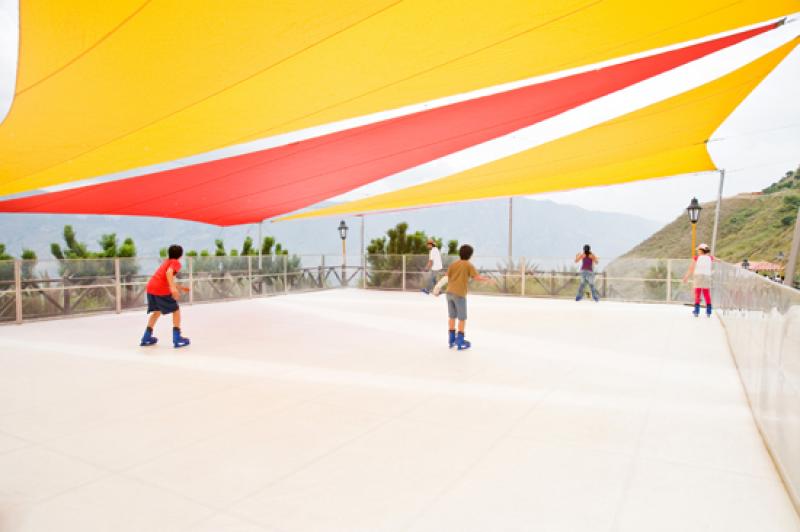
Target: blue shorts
pixel 162 304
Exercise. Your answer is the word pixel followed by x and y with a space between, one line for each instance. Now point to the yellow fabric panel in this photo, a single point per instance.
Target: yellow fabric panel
pixel 177 79
pixel 664 139
pixel 56 32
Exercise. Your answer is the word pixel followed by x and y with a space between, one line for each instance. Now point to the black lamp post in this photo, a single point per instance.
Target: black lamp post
pixel 746 264
pixel 343 234
pixel 693 210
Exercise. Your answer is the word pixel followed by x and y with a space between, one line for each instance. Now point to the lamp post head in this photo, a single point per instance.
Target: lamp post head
pixel 343 229
pixel 780 256
pixel 693 210
pixel 746 264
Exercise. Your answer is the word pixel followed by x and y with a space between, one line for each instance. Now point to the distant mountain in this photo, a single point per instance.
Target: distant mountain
pixel 754 226
pixel 541 229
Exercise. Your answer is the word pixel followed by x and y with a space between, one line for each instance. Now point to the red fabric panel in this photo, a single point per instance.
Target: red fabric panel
pixel 263 184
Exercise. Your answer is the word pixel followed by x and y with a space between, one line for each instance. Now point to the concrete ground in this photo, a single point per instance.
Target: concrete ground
pixel 345 410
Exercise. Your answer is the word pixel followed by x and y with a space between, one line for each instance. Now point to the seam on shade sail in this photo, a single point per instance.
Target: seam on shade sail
pixel 86 51
pixel 664 30
pixel 197 102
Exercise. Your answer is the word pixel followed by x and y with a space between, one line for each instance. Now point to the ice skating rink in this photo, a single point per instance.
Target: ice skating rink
pixel 345 411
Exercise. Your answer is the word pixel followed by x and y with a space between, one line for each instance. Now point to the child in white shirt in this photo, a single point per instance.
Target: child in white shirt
pixel 700 270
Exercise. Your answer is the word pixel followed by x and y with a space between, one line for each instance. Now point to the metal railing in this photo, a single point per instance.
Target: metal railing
pixel 643 280
pixel 56 288
pixel 52 288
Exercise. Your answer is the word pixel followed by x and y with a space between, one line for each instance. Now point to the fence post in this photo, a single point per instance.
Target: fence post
pixel 605 284
pixel 669 280
pixel 191 280
pixel 286 274
pixel 18 289
pixel 404 274
pixel 117 286
pixel 321 270
pixel 522 276
pixel 364 271
pixel 250 276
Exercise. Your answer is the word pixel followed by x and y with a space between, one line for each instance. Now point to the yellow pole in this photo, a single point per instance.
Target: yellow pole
pixel 694 239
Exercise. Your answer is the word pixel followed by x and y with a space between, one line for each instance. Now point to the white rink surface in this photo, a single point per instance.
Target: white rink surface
pixel 345 411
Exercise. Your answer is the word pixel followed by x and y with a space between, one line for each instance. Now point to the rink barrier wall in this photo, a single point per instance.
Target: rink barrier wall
pixel 762 324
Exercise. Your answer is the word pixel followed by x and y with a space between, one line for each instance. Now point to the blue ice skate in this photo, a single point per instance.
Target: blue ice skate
pixel 462 343
pixel 178 340
pixel 148 338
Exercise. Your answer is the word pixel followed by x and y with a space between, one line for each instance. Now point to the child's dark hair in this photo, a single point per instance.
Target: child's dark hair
pixel 465 252
pixel 175 251
pixel 587 249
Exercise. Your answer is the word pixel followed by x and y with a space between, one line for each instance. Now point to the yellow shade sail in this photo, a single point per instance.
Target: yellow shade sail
pixel 108 87
pixel 664 139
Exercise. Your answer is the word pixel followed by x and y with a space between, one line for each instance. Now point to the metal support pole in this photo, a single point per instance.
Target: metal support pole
pixel 344 263
pixel 117 286
pixel 522 276
pixel 605 284
pixel 510 229
pixel 285 274
pixel 716 212
pixel 249 276
pixel 404 274
pixel 363 256
pixel 18 289
pixel 791 265
pixel 260 245
pixel 191 280
pixel 694 239
pixel 669 280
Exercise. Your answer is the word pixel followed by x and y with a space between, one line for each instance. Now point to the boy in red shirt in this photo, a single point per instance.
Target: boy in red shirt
pixel 162 298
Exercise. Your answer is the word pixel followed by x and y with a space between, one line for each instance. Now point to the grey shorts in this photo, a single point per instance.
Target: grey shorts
pixel 456 307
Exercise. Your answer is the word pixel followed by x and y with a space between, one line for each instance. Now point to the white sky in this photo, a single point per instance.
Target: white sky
pixel 757 144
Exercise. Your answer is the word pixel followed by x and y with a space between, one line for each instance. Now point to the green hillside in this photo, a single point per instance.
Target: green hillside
pixel 753 226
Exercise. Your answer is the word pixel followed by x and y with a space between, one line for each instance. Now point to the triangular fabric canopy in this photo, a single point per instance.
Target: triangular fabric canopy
pixel 266 183
pixel 114 86
pixel 664 139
